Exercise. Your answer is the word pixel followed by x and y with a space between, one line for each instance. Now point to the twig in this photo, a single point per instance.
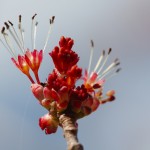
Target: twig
pixel 70 132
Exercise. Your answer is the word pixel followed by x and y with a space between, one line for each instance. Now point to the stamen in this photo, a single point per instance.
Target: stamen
pixel 13 35
pixel 19 18
pixel 99 60
pixel 104 62
pixel 14 30
pixel 4 44
pixel 21 47
pixel 33 16
pixel 3 30
pixel 8 42
pixel 21 33
pixel 91 56
pixel 115 73
pixel 49 31
pixel 6 24
pixel 10 23
pixel 109 51
pixel 109 68
pixel 118 70
pixel 33 31
pixel 52 20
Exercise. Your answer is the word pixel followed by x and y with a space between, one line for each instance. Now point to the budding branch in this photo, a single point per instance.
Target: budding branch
pixel 70 132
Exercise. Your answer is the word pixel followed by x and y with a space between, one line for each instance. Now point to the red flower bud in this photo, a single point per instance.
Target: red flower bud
pixel 37 91
pixel 48 123
pixel 63 57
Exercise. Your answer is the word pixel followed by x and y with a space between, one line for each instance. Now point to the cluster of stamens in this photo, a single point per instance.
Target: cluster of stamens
pixel 24 59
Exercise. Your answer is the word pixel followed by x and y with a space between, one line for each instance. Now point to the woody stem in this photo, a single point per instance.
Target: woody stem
pixel 70 132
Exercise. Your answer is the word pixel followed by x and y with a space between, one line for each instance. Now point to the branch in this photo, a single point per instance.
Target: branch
pixel 70 132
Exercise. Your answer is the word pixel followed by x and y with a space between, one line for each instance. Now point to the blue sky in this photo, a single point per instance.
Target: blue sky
pixel 122 25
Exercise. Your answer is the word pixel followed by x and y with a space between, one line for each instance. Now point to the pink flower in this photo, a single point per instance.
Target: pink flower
pixel 96 78
pixel 23 66
pixel 25 59
pixel 34 60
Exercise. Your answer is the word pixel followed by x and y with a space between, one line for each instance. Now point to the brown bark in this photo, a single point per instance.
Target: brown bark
pixel 70 132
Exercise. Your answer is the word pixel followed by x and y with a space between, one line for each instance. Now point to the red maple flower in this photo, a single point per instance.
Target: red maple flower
pixel 48 123
pixel 34 60
pixel 27 59
pixel 63 57
pixel 61 94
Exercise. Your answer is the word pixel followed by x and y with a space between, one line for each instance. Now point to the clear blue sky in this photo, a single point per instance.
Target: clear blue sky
pixel 124 26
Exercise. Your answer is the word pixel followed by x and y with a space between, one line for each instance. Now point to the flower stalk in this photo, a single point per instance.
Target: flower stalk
pixel 70 129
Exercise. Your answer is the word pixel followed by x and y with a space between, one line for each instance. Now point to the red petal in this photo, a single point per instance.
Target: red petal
pixel 55 95
pixel 93 77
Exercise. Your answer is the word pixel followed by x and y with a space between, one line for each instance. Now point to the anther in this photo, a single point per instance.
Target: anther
pixel 52 20
pixel 91 56
pixel 19 18
pixel 33 16
pixel 49 31
pixel 10 23
pixel 118 70
pixel 92 43
pixel 109 51
pixel 117 64
pixel 103 53
pixel 3 30
pixel 6 24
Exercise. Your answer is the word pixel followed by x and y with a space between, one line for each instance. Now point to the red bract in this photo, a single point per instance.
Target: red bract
pixel 63 57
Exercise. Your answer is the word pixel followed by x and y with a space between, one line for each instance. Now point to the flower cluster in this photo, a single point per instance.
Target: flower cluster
pixel 60 94
pixel 27 59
